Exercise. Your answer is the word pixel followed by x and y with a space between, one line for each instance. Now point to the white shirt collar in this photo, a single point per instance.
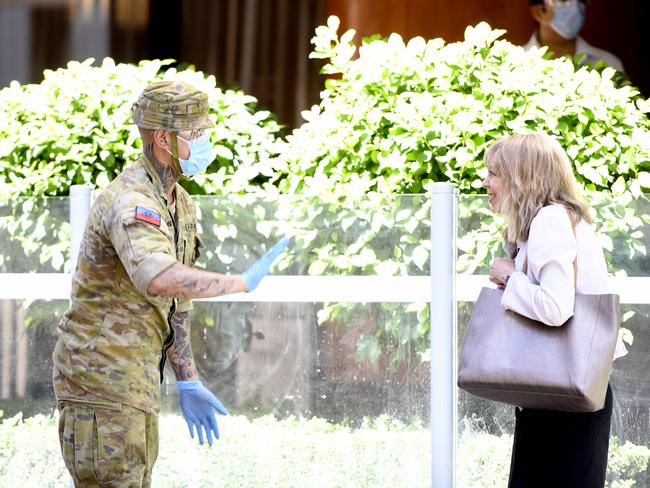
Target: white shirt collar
pixel 592 54
pixel 582 46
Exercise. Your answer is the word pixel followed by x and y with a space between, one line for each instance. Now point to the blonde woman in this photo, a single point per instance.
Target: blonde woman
pixel 531 182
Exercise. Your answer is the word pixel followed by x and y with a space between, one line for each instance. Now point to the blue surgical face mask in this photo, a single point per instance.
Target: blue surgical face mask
pixel 568 19
pixel 200 156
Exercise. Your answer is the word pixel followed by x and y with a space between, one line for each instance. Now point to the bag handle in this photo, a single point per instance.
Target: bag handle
pixel 524 268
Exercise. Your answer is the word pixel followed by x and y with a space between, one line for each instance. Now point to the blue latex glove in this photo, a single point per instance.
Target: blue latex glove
pixel 254 274
pixel 198 405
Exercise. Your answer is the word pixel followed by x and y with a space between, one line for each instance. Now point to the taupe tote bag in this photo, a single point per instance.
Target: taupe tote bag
pixel 509 358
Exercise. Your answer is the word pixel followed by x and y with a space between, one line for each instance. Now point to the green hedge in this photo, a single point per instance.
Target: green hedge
pixel 266 452
pixel 75 128
pixel 402 115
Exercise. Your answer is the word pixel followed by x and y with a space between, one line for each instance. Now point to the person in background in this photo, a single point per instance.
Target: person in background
pixel 558 24
pixel 554 254
pixel 132 293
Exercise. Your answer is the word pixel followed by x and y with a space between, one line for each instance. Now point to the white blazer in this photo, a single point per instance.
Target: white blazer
pixel 546 292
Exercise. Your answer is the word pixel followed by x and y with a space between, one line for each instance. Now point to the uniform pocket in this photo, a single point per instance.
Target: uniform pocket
pixel 139 452
pixel 111 433
pixel 92 441
pixel 77 435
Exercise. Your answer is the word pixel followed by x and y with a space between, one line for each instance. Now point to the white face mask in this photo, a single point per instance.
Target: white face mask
pixel 200 156
pixel 569 18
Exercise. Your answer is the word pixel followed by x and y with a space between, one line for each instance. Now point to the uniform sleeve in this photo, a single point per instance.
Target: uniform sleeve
pixel 143 246
pixel 552 248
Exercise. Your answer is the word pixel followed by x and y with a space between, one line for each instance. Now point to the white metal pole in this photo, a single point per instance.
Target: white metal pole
pixel 444 201
pixel 80 196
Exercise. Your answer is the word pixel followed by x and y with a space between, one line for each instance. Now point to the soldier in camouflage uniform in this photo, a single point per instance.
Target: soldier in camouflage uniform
pixel 131 297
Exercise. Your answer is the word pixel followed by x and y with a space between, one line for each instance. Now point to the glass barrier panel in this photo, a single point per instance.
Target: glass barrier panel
pixel 320 388
pixel 305 404
pixel 375 235
pixel 29 446
pixel 35 235
pixel 320 391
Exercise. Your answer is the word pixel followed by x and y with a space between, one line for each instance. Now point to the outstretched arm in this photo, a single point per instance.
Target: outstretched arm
pixel 183 282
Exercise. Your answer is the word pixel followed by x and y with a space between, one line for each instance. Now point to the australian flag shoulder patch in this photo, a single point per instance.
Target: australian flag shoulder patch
pixel 147 215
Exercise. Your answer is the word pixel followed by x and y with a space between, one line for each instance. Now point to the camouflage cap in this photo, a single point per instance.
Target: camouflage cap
pixel 172 106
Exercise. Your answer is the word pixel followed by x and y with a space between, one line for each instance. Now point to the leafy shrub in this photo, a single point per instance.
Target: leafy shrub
pixel 75 128
pixel 484 460
pixel 291 453
pixel 261 452
pixel 401 116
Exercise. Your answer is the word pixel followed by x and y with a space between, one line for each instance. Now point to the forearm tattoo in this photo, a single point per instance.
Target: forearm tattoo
pixel 184 282
pixel 180 354
pixel 165 172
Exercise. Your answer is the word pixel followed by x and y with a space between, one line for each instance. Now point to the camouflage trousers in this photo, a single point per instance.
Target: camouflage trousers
pixel 107 445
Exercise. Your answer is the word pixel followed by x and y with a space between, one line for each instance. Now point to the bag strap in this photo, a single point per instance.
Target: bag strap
pixel 524 268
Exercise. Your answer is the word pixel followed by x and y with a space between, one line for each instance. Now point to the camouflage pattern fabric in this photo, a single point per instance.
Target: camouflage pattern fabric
pixel 108 445
pixel 112 340
pixel 172 106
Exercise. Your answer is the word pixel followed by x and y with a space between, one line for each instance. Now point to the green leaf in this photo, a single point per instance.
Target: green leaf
pixel 317 267
pixel 626 336
pixel 333 23
pixel 223 152
pixel 421 256
pixel 644 179
pixel 364 258
pixel 387 268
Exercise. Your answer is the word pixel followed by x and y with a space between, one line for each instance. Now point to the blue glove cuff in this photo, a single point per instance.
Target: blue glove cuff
pixel 188 385
pixel 249 280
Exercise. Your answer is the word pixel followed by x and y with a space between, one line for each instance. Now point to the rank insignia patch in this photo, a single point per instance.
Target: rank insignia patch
pixel 147 215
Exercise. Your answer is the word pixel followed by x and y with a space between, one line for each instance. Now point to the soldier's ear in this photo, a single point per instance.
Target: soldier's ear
pixel 162 139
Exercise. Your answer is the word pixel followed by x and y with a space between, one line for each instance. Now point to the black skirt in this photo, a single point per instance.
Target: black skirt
pixel 560 449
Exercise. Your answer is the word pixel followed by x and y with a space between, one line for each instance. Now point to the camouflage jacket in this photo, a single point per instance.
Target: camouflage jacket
pixel 112 341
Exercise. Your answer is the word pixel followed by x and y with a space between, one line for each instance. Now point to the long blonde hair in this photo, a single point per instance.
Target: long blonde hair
pixel 535 172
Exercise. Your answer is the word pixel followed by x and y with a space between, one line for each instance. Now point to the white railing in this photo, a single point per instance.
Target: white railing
pixel 314 289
